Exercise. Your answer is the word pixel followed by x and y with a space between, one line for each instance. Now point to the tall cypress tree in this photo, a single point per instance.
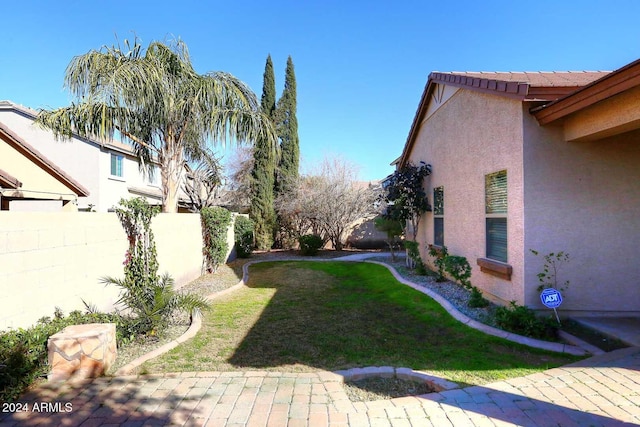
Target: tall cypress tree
pixel 263 174
pixel 287 129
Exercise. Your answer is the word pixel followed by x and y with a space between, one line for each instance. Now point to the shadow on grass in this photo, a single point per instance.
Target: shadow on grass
pixel 338 315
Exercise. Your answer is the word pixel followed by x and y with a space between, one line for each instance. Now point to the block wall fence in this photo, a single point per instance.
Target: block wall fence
pixel 50 260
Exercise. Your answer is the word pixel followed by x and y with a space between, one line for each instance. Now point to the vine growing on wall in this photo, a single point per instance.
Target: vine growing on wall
pixel 141 263
pixel 215 223
pixel 150 298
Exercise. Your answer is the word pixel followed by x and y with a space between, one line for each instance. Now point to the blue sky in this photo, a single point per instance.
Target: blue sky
pixel 360 66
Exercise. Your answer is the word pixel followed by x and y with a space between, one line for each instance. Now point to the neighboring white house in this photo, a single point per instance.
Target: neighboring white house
pixel 109 171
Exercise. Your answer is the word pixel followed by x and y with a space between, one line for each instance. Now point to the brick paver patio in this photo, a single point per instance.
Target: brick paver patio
pixel 601 391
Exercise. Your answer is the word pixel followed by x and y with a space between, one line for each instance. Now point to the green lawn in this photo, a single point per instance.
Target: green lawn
pixel 305 316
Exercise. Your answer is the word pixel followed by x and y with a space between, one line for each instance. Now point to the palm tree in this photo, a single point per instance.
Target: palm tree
pixel 156 101
pixel 203 183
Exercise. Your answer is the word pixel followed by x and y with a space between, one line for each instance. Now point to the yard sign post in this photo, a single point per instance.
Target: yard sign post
pixel 551 298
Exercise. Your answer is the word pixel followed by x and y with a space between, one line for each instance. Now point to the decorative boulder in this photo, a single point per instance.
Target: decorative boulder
pixel 82 351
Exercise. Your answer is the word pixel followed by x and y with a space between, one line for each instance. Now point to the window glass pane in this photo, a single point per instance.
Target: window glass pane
pixel 438 201
pixel 496 192
pixel 497 239
pixel 116 165
pixel 438 231
pixel 154 175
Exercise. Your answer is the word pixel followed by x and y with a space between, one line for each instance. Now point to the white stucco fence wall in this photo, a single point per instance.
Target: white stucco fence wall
pixel 50 260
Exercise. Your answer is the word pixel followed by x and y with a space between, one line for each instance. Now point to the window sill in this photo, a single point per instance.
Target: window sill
pixel 117 178
pixel 495 268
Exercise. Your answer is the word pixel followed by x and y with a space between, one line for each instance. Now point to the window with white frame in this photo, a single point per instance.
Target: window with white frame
pixel 496 215
pixel 117 161
pixel 438 216
pixel 153 176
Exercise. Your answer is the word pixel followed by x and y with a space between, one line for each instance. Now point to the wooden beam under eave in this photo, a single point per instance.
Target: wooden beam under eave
pixel 613 116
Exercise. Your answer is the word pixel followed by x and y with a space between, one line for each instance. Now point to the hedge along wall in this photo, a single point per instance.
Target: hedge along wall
pixel 50 260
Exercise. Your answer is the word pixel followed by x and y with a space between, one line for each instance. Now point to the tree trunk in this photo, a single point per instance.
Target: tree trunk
pixel 171 167
pixel 169 197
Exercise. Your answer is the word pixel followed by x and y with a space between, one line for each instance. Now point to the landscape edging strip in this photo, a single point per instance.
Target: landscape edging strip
pixel 196 323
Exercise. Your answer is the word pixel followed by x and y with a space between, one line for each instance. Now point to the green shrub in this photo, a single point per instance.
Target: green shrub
pixel 310 244
pixel 215 222
pixel 394 229
pixel 523 321
pixel 153 306
pixel 414 255
pixel 477 300
pixel 24 354
pixel 141 262
pixel 421 269
pixel 243 230
pixel 439 254
pixel 553 263
pixel 458 267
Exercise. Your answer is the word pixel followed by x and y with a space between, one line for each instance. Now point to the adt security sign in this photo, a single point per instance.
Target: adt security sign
pixel 551 298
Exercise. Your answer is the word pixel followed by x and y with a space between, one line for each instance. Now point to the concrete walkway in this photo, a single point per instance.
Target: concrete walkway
pixel 600 391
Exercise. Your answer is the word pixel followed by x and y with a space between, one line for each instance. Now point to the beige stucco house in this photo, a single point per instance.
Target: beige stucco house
pixel 548 161
pixel 108 170
pixel 30 181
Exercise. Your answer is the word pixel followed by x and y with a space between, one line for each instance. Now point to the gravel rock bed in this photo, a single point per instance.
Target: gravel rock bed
pixel 206 285
pixel 142 346
pixel 376 388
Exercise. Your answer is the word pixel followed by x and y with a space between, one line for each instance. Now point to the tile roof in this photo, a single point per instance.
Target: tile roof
pixel 614 83
pixel 539 78
pixel 535 86
pixel 529 86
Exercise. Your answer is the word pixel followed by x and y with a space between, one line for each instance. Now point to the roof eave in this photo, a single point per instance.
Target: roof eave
pixel 422 106
pixel 610 85
pixel 42 161
pixel 511 89
pixel 9 181
pixel 514 90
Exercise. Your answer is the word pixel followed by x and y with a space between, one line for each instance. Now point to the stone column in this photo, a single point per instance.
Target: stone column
pixel 82 351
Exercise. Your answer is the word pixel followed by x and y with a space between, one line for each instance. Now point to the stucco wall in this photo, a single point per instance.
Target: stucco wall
pixel 468 136
pixel 74 157
pixel 584 198
pixel 50 260
pixel 112 188
pixel 36 182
